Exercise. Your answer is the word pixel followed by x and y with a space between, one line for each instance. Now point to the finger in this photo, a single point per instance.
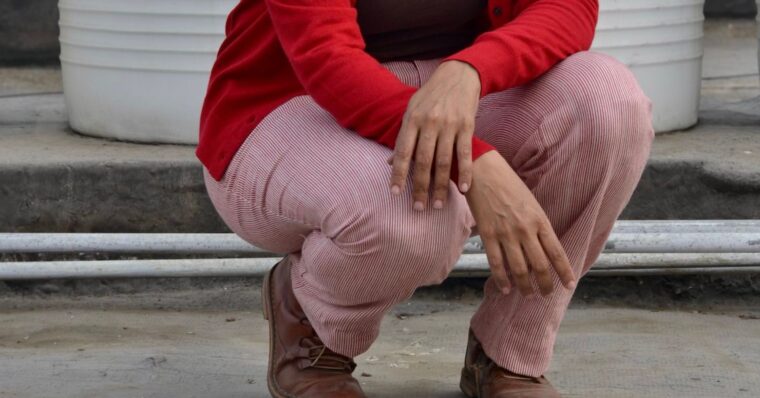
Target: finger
pixel 496 263
pixel 539 265
pixel 443 152
pixel 402 155
pixel 517 266
pixel 423 164
pixel 556 253
pixel 464 160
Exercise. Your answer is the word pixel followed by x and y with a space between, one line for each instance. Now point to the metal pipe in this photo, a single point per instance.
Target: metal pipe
pixel 124 243
pixel 634 248
pixel 675 226
pixel 701 236
pixel 468 265
pixel 640 264
pixel 136 268
pixel 684 242
pixel 155 243
pixel 677 271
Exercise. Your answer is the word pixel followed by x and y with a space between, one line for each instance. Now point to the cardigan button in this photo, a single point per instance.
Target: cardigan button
pixel 497 11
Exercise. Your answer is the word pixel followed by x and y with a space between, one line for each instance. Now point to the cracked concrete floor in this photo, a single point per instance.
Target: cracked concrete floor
pixel 601 352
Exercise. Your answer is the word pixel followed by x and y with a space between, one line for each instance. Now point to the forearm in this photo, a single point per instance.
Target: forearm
pixel 327 52
pixel 543 33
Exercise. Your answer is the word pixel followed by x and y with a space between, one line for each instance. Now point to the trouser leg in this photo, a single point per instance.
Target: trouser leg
pixel 303 185
pixel 579 137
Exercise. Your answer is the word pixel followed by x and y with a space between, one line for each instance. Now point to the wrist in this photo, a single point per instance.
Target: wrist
pixel 480 166
pixel 469 72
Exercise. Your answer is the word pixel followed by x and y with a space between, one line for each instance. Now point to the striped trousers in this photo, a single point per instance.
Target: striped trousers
pixel 579 137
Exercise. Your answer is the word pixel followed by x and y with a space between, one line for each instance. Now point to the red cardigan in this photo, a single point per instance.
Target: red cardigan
pixel 277 49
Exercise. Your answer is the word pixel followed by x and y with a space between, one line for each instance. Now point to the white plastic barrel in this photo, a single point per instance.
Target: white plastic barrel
pixel 661 41
pixel 137 69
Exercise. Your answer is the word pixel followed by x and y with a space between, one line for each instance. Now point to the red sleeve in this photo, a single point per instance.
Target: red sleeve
pixel 324 45
pixel 542 33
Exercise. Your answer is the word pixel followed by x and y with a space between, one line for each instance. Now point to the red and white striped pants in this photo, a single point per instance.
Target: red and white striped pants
pixel 579 137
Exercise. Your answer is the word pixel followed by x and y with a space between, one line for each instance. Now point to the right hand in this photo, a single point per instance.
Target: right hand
pixel 509 217
pixel 439 119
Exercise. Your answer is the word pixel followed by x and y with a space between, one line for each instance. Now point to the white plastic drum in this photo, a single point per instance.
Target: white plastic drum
pixel 137 69
pixel 661 41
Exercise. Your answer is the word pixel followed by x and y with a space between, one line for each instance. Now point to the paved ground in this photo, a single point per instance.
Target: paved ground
pixel 601 352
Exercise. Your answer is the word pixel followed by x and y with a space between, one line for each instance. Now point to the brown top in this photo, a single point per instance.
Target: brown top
pixel 417 29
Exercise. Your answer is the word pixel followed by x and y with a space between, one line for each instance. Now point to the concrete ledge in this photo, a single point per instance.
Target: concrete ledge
pixel 96 195
pixel 708 172
pixel 54 180
pixel 106 197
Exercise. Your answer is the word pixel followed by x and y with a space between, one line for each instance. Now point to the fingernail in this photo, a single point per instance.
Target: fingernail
pixel 418 206
pixel 571 285
pixel 505 291
pixel 395 190
pixel 465 187
pixel 438 204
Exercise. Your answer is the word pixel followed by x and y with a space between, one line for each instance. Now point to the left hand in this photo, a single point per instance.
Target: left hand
pixel 440 115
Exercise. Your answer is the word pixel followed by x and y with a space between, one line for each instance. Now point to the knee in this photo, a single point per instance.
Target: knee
pixel 395 250
pixel 614 115
pixel 422 252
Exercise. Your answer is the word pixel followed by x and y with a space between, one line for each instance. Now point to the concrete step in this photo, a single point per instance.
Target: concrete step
pixel 52 179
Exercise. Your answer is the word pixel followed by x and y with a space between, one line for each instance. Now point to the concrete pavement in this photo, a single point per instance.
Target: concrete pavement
pixel 602 352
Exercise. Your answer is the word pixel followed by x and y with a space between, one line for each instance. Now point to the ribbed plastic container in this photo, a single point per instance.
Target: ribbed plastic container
pixel 661 41
pixel 137 69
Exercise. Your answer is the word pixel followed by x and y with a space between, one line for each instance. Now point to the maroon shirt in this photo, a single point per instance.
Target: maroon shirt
pixel 418 29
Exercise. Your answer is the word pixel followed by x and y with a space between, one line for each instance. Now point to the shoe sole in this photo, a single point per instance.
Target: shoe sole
pixel 466 385
pixel 266 309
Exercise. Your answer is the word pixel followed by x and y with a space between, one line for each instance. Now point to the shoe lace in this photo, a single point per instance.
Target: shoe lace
pixel 321 357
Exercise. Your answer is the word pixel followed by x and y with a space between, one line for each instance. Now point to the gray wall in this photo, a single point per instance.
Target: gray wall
pixel 29 28
pixel 731 8
pixel 28 31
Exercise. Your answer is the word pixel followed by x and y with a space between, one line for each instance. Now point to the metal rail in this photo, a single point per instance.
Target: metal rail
pixel 468 265
pixel 711 236
pixel 634 248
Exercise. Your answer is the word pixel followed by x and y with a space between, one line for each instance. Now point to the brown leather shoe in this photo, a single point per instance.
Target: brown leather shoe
pixel 300 366
pixel 482 378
